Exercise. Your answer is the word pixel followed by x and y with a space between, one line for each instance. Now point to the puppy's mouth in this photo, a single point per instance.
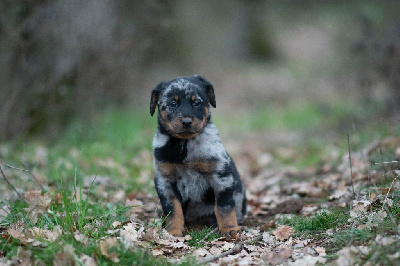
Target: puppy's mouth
pixel 185 128
pixel 186 135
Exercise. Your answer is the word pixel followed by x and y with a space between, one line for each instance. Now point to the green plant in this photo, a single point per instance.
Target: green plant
pixel 321 221
pixel 199 235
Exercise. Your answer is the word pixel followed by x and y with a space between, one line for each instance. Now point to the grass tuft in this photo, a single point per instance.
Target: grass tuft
pixel 201 234
pixel 322 221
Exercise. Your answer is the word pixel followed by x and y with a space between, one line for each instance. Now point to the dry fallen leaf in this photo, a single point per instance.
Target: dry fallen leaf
pixel 151 234
pixel 80 237
pixel 372 196
pixel 215 251
pixel 88 261
pixel 49 235
pixel 309 209
pixel 269 239
pixel 384 240
pixel 38 203
pixel 115 224
pixel 17 234
pixel 187 238
pixel 129 235
pixel 4 211
pixel 386 190
pixel 283 232
pixel 179 245
pixel 227 246
pixel 267 225
pixel 23 257
pixel 201 252
pixel 346 257
pixel 279 257
pixel 321 251
pixel 157 252
pixel 359 207
pixel 119 196
pixel 65 257
pixel 105 245
pixel 308 260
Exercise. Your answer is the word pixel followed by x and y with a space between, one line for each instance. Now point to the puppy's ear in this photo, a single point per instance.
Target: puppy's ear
pixel 210 90
pixel 154 97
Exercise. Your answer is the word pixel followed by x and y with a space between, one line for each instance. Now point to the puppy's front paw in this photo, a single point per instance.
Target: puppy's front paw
pixel 176 232
pixel 233 235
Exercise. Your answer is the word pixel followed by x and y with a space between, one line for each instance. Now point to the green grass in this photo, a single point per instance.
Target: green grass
pixel 107 147
pixel 89 216
pixel 299 116
pixel 319 222
pixel 200 234
pixel 346 233
pixel 118 146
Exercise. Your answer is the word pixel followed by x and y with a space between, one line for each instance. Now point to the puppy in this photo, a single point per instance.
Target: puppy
pixel 195 178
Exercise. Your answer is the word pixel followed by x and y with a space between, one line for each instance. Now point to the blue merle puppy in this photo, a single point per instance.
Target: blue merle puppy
pixel 195 178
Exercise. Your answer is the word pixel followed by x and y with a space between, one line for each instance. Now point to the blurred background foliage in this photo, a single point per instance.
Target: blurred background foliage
pixel 66 60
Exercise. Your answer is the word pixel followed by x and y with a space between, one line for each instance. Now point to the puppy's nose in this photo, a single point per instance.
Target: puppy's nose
pixel 186 122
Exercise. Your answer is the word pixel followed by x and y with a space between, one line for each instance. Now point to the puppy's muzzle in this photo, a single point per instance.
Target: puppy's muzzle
pixel 187 122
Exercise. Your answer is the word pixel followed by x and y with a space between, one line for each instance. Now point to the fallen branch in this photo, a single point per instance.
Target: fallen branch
pixel 34 177
pixel 24 170
pixel 208 234
pixel 351 166
pixel 236 248
pixel 9 183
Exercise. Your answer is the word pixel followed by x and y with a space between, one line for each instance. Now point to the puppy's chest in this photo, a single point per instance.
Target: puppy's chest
pixel 191 184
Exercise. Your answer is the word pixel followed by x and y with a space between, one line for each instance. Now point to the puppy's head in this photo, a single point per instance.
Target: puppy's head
pixel 183 105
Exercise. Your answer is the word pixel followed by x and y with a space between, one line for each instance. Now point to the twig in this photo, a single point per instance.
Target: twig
pixel 34 177
pixel 387 162
pixel 236 248
pixel 384 206
pixel 384 165
pixel 24 170
pixel 390 188
pixel 208 234
pixel 351 166
pixel 9 183
pixel 13 167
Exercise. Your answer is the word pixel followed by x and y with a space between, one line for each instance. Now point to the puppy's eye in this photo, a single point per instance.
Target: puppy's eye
pixel 173 104
pixel 197 103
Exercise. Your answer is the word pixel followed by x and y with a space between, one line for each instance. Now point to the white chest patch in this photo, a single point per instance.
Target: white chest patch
pixel 192 185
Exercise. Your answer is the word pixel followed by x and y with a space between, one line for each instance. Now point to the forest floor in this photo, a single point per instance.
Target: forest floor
pixel 89 199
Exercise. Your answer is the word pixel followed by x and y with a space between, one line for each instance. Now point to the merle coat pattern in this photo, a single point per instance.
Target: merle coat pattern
pixel 196 180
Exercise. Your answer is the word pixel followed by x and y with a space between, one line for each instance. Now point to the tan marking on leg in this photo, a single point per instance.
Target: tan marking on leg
pixel 176 98
pixel 176 221
pixel 226 220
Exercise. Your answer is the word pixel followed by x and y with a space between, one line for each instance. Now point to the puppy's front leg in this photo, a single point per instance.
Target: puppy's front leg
pixel 171 206
pixel 225 212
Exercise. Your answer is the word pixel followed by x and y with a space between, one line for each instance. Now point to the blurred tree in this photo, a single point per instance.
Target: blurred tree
pixel 378 52
pixel 62 58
